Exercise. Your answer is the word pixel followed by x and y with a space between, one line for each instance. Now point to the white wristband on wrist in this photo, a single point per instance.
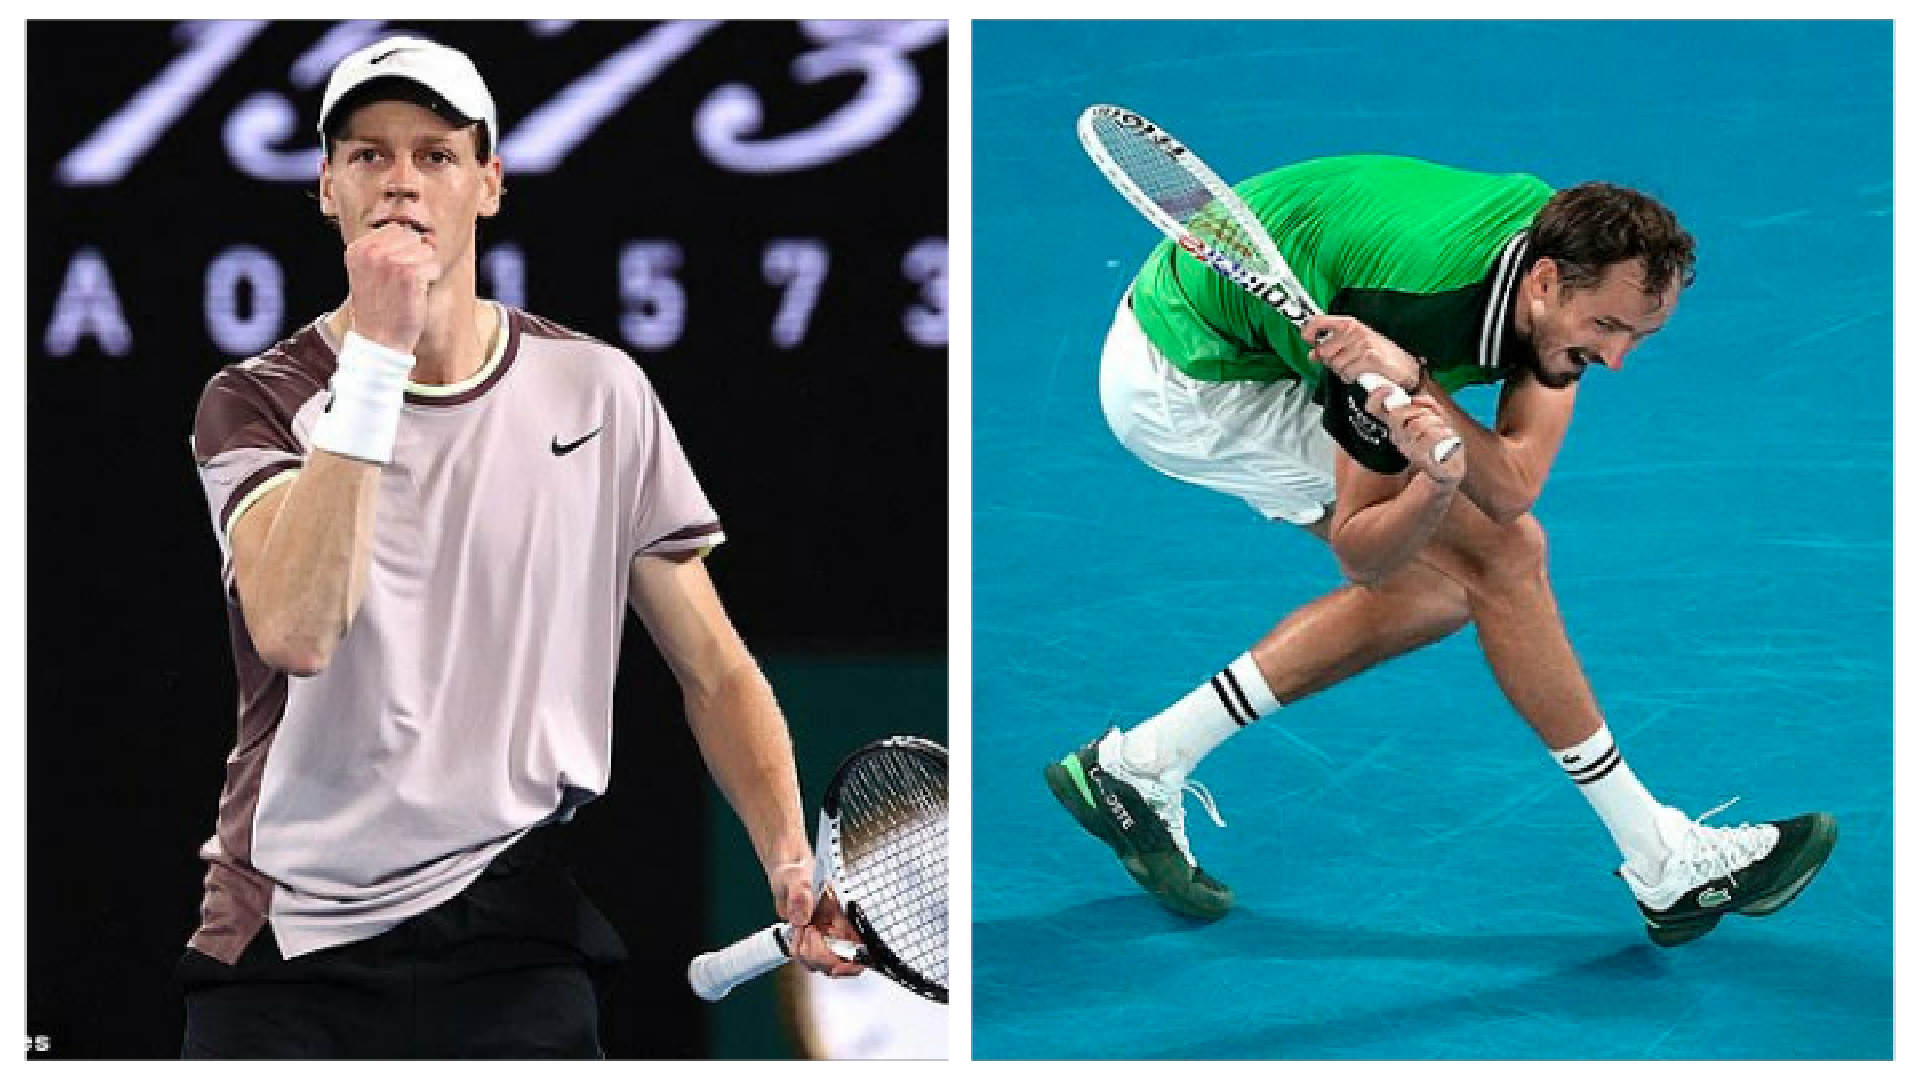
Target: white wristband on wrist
pixel 363 411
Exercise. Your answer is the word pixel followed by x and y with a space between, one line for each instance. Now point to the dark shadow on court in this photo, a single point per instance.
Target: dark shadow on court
pixel 1418 978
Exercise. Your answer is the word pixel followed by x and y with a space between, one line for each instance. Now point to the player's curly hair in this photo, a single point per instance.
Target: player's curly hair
pixel 1591 226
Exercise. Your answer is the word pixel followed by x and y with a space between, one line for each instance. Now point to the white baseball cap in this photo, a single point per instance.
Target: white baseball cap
pixel 447 75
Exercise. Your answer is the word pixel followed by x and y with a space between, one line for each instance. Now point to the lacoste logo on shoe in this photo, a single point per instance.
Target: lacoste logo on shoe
pixel 1113 804
pixel 561 449
pixel 1714 897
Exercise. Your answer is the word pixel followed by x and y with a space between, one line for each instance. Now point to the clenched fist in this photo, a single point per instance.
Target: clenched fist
pixel 389 271
pixel 1417 428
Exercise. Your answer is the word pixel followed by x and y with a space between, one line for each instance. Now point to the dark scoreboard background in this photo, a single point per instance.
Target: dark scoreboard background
pixel 755 211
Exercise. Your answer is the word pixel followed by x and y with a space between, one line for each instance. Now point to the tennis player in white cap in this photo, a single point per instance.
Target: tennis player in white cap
pixel 433 511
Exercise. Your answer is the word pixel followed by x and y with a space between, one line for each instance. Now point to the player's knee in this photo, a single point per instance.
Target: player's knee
pixel 1519 551
pixel 1431 604
pixel 1437 615
pixel 1500 555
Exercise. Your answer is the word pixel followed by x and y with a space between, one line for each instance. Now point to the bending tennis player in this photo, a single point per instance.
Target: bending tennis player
pixel 433 511
pixel 1433 279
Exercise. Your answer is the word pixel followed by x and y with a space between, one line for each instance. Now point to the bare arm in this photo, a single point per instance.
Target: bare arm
pixel 730 706
pixel 301 554
pixel 742 737
pixel 1508 465
pixel 300 560
pixel 1381 522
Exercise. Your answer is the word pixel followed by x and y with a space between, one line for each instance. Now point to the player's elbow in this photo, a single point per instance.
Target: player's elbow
pixel 720 679
pixel 288 649
pixel 1358 564
pixel 1511 492
pixel 294 659
pixel 1364 575
pixel 1361 577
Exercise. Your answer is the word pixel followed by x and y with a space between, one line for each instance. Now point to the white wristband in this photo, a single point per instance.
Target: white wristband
pixel 363 411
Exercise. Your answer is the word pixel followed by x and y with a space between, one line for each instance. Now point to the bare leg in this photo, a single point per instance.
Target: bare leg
pixel 1504 571
pixel 1336 636
pixel 1355 627
pixel 1495 575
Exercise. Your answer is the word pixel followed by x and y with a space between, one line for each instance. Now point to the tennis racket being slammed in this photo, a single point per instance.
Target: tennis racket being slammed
pixel 1179 194
pixel 882 846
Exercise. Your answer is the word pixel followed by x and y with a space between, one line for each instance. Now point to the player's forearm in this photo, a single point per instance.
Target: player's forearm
pixel 1375 541
pixel 1497 480
pixel 301 590
pixel 744 740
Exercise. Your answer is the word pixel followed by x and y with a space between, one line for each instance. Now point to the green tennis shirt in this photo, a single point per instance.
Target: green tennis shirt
pixel 1427 255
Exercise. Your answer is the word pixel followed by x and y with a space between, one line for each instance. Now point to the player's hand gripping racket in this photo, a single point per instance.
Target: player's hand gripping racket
pixel 882 846
pixel 1179 194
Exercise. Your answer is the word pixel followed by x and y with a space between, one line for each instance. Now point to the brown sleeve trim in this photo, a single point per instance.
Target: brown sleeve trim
pixel 691 532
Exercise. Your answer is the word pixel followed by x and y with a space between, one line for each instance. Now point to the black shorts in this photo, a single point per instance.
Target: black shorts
pixel 513 967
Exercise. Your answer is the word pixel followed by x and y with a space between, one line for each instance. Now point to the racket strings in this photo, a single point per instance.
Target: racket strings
pixel 893 841
pixel 1176 185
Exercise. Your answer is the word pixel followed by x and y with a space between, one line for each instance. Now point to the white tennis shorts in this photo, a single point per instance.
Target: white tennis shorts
pixel 1259 442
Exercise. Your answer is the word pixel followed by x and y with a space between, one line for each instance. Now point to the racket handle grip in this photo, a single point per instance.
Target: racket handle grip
pixel 1399 400
pixel 712 975
pixel 1370 382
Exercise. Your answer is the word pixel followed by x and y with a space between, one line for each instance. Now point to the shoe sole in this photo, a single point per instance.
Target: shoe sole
pixel 1667 935
pixel 1813 855
pixel 1067 782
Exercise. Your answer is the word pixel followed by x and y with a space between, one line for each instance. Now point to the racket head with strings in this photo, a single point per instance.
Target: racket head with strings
pixel 1174 189
pixel 884 838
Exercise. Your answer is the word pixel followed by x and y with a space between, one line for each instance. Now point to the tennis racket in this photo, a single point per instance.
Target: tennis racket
pixel 1186 200
pixel 882 846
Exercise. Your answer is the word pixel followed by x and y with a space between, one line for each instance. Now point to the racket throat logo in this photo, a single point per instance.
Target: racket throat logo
pixel 1295 309
pixel 1275 294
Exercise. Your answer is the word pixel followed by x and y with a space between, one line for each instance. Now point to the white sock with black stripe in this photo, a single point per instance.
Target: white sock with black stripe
pixel 1624 806
pixel 1175 741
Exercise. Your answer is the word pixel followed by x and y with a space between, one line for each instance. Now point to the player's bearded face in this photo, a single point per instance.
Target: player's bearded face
pixel 396 162
pixel 1574 326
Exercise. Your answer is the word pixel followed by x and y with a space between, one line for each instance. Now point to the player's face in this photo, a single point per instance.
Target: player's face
pixel 1573 327
pixel 397 162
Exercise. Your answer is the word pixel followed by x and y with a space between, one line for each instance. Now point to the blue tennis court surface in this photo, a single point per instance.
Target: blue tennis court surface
pixel 1415 877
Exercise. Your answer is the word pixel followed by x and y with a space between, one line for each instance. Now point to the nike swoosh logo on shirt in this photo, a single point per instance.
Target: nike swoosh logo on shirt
pixel 561 449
